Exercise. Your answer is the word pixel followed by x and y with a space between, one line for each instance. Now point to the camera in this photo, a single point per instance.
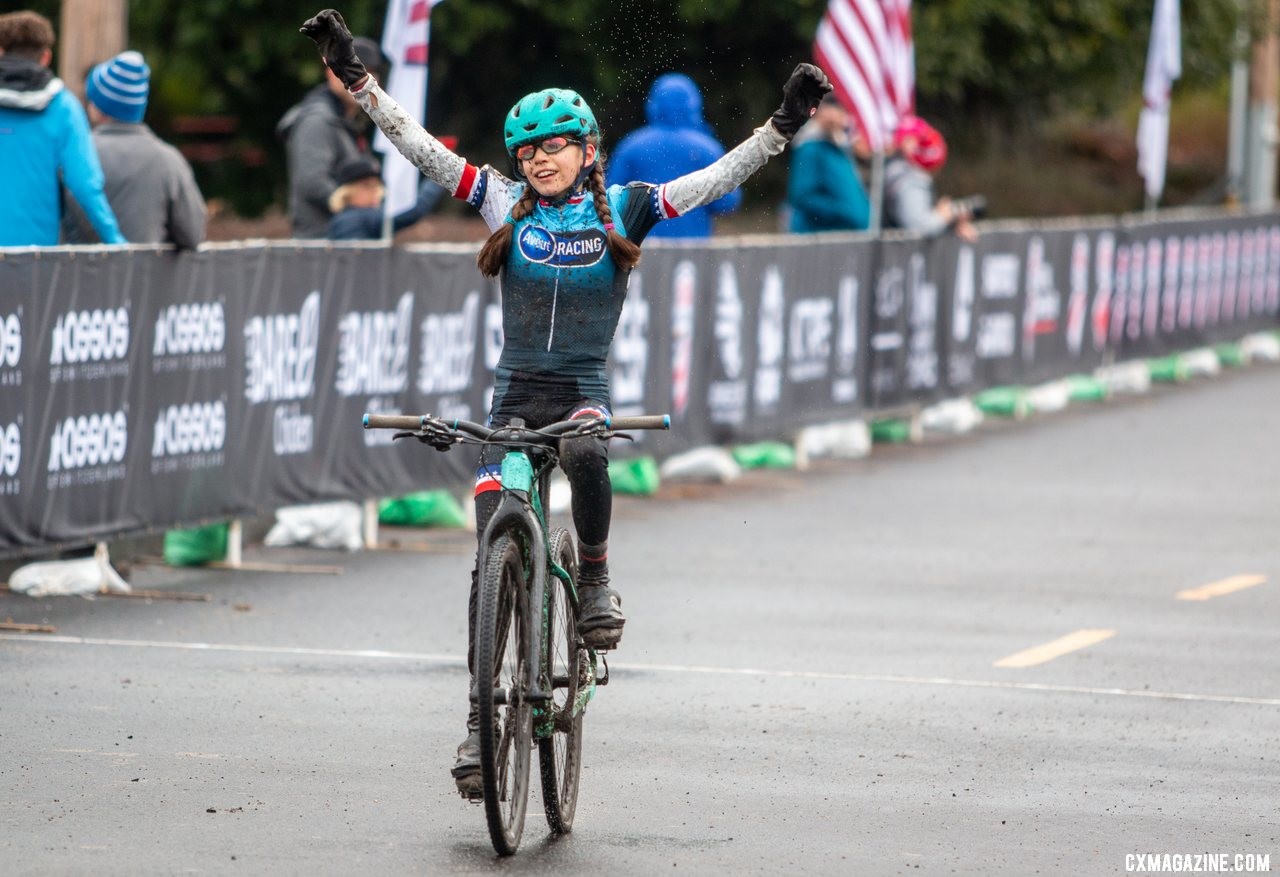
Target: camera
pixel 973 207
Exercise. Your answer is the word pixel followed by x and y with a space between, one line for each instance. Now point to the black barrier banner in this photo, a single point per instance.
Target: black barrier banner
pixel 142 389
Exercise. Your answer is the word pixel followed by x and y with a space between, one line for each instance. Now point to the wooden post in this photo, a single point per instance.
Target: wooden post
pixel 89 32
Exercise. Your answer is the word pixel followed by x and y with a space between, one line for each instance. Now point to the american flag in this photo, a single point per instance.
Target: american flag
pixel 405 40
pixel 865 48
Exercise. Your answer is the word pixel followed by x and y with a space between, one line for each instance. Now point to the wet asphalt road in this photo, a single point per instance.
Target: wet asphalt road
pixel 807 683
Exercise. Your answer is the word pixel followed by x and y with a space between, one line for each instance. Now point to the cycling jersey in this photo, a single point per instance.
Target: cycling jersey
pixel 562 294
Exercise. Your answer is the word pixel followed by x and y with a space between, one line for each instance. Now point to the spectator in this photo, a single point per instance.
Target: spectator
pixel 150 186
pixel 44 142
pixel 357 202
pixel 824 191
pixel 676 141
pixel 321 132
pixel 919 153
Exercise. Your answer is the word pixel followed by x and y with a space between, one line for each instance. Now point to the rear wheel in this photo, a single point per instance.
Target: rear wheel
pixel 568 670
pixel 505 716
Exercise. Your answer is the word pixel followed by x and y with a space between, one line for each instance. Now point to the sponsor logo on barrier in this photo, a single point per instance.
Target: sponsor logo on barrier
pixel 373 350
pixel 684 291
pixel 89 345
pixel 575 249
pixel 845 386
pixel 191 335
pixel 1273 274
pixel 1043 306
pixel 1169 288
pixel 1078 297
pixel 997 335
pixel 631 351
pixel 449 348
pixel 809 343
pixel 886 337
pixel 960 356
pixel 280 354
pixel 194 432
pixel 493 338
pixel 1104 279
pixel 88 449
pixel 292 431
pixel 11 349
pixel 727 398
pixel 10 458
pixel 1151 292
pixel 1231 278
pixel 771 342
pixel 922 327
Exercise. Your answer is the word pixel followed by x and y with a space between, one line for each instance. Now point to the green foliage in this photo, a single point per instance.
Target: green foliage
pixel 982 65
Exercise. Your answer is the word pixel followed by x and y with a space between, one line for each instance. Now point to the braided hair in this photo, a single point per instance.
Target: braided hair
pixel 625 253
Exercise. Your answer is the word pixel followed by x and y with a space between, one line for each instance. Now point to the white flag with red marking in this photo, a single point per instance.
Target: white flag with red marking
pixel 406 38
pixel 866 49
pixel 1164 65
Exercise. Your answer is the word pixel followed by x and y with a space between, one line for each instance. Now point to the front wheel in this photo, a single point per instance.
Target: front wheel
pixel 502 629
pixel 568 670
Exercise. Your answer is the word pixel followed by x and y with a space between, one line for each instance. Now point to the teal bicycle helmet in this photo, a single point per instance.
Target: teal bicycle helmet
pixel 548 113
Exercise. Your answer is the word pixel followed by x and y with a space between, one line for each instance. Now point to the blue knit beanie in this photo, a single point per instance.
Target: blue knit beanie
pixel 119 87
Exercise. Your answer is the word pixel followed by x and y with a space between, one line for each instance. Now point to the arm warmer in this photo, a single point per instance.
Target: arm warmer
pixel 727 173
pixel 424 151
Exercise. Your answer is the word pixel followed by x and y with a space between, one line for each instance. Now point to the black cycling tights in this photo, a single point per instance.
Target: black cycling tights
pixel 584 461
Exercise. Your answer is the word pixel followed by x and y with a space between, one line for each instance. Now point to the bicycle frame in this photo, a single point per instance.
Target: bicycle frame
pixel 523 506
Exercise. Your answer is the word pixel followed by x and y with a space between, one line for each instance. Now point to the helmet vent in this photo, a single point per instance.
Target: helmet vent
pixel 548 101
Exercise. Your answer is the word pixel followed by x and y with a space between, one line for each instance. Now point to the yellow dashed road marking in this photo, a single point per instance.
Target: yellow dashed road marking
pixel 1063 645
pixel 1219 588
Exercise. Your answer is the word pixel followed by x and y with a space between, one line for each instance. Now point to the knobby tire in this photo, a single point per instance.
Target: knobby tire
pixel 560 755
pixel 502 627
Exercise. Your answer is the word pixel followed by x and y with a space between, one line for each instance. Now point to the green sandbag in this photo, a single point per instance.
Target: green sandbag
pixel 196 547
pixel 1167 369
pixel 1003 402
pixel 635 477
pixel 425 508
pixel 765 455
pixel 1087 389
pixel 1230 355
pixel 891 430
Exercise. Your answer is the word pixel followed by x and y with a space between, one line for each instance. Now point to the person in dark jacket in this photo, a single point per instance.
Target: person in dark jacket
pixel 824 191
pixel 320 132
pixel 150 186
pixel 677 141
pixel 357 202
pixel 44 142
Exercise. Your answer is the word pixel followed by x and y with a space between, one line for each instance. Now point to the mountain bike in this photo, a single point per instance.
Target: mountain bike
pixel 534 674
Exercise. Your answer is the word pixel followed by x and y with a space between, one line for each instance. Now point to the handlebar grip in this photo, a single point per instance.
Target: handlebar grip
pixel 643 421
pixel 393 421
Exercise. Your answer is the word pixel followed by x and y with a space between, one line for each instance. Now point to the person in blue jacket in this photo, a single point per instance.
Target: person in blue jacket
pixel 824 191
pixel 676 141
pixel 44 142
pixel 562 244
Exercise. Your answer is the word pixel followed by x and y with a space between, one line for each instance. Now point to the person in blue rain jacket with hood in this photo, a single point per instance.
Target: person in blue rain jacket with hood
pixel 44 142
pixel 676 141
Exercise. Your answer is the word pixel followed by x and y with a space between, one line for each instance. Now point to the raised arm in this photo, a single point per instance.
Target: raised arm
pixel 334 40
pixel 800 96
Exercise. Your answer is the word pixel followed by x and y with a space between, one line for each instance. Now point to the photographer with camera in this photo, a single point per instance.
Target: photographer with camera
pixel 920 152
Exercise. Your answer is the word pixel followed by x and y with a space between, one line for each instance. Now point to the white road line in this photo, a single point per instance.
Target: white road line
pixel 459 661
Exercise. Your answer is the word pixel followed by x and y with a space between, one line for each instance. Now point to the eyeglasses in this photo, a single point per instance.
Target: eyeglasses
pixel 550 146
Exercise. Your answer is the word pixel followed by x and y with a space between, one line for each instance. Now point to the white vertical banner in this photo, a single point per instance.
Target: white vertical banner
pixel 406 38
pixel 1164 65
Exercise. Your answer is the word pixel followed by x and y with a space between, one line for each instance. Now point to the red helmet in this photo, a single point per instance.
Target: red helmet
pixel 921 143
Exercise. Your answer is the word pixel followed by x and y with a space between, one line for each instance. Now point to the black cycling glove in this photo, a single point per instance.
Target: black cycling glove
pixel 800 97
pixel 334 40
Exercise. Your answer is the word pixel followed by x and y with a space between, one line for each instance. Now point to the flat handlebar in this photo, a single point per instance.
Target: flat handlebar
pixel 420 422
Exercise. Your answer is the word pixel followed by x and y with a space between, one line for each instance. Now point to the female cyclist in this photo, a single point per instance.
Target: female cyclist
pixel 563 246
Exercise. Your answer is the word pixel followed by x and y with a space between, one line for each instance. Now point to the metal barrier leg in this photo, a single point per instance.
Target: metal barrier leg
pixel 369 523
